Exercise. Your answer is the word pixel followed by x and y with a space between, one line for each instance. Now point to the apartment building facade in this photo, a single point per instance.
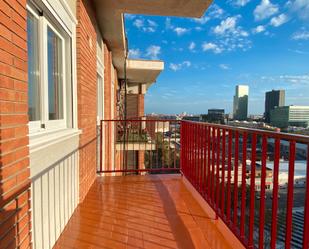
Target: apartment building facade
pixel 61 71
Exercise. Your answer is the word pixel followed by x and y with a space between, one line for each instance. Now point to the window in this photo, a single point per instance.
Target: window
pixel 49 70
pixel 33 68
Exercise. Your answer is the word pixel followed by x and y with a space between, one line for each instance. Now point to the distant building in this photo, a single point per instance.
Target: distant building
pixel 240 105
pixel 285 116
pixel 216 116
pixel 192 118
pixel 273 99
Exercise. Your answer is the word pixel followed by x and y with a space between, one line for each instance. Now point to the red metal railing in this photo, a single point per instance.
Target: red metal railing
pixel 239 172
pixel 139 145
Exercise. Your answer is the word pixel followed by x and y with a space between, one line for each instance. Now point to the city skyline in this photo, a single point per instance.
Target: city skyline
pixel 203 61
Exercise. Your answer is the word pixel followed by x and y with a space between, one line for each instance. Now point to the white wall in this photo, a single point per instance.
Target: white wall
pixel 55 189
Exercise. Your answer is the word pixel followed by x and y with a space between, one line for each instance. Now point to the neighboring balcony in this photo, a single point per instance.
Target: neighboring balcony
pixel 194 185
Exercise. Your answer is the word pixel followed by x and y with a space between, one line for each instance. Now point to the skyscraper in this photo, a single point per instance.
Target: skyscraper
pixel 240 106
pixel 272 99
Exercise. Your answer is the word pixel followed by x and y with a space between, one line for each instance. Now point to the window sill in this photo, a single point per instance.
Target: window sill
pixel 44 139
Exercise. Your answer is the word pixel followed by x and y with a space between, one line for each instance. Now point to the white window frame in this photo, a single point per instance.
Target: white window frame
pixel 44 124
pixel 35 126
pixel 59 123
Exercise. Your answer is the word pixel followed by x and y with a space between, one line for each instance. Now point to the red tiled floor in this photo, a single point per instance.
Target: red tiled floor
pixel 152 211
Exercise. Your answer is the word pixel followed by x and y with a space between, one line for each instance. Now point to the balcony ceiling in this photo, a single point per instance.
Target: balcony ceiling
pixel 143 71
pixel 110 19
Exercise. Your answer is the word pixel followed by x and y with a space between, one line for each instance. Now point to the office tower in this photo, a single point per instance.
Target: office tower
pixel 272 99
pixel 285 116
pixel 215 116
pixel 240 106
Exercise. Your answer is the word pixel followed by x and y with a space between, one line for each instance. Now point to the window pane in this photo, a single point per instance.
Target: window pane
pixel 33 68
pixel 55 76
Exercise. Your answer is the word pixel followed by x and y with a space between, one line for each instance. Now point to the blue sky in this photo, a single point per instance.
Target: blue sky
pixel 261 43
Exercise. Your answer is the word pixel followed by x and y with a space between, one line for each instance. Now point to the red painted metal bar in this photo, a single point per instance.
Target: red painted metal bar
pixel 223 174
pixel 218 169
pixel 262 193
pixel 213 148
pixel 289 210
pixel 229 169
pixel 101 145
pixel 306 215
pixel 198 152
pixel 243 186
pixel 205 160
pixel 235 207
pixel 275 195
pixel 208 162
pixel 252 191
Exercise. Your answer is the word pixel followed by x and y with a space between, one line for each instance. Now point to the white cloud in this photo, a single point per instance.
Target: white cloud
pixel 214 12
pixel 301 35
pixel 301 7
pixel 279 20
pixel 226 25
pixel 239 3
pixel 198 28
pixel 298 51
pixel 134 53
pixel 153 51
pixel 129 16
pixel 211 47
pixel 229 27
pixel 149 29
pixel 204 19
pixel 152 23
pixel 180 31
pixel 259 29
pixel 295 79
pixel 192 46
pixel 168 23
pixel 176 67
pixel 224 66
pixel 139 23
pixel 265 10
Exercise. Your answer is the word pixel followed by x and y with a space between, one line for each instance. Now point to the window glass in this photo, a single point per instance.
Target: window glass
pixel 33 68
pixel 55 75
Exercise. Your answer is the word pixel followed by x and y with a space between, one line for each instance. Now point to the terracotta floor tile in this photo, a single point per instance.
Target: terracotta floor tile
pixel 146 212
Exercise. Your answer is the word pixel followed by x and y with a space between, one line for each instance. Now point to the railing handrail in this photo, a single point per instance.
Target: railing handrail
pixel 140 120
pixel 271 134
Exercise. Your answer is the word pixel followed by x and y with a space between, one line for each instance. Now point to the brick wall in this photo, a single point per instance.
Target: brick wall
pixel 107 108
pixel 141 105
pixel 86 91
pixel 14 154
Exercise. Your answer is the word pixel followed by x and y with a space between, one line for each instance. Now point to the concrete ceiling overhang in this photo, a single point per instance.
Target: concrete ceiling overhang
pixel 110 19
pixel 143 71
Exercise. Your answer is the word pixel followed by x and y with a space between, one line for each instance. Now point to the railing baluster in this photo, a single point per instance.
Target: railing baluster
pixel 213 148
pixel 289 210
pixel 205 160
pixel 235 211
pixel 252 191
pixel 262 193
pixel 218 170
pixel 223 174
pixel 306 214
pixel 243 186
pixel 208 162
pixel 200 157
pixel 229 166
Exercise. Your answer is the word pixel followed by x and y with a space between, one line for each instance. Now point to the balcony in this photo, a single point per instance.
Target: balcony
pixel 153 211
pixel 226 187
